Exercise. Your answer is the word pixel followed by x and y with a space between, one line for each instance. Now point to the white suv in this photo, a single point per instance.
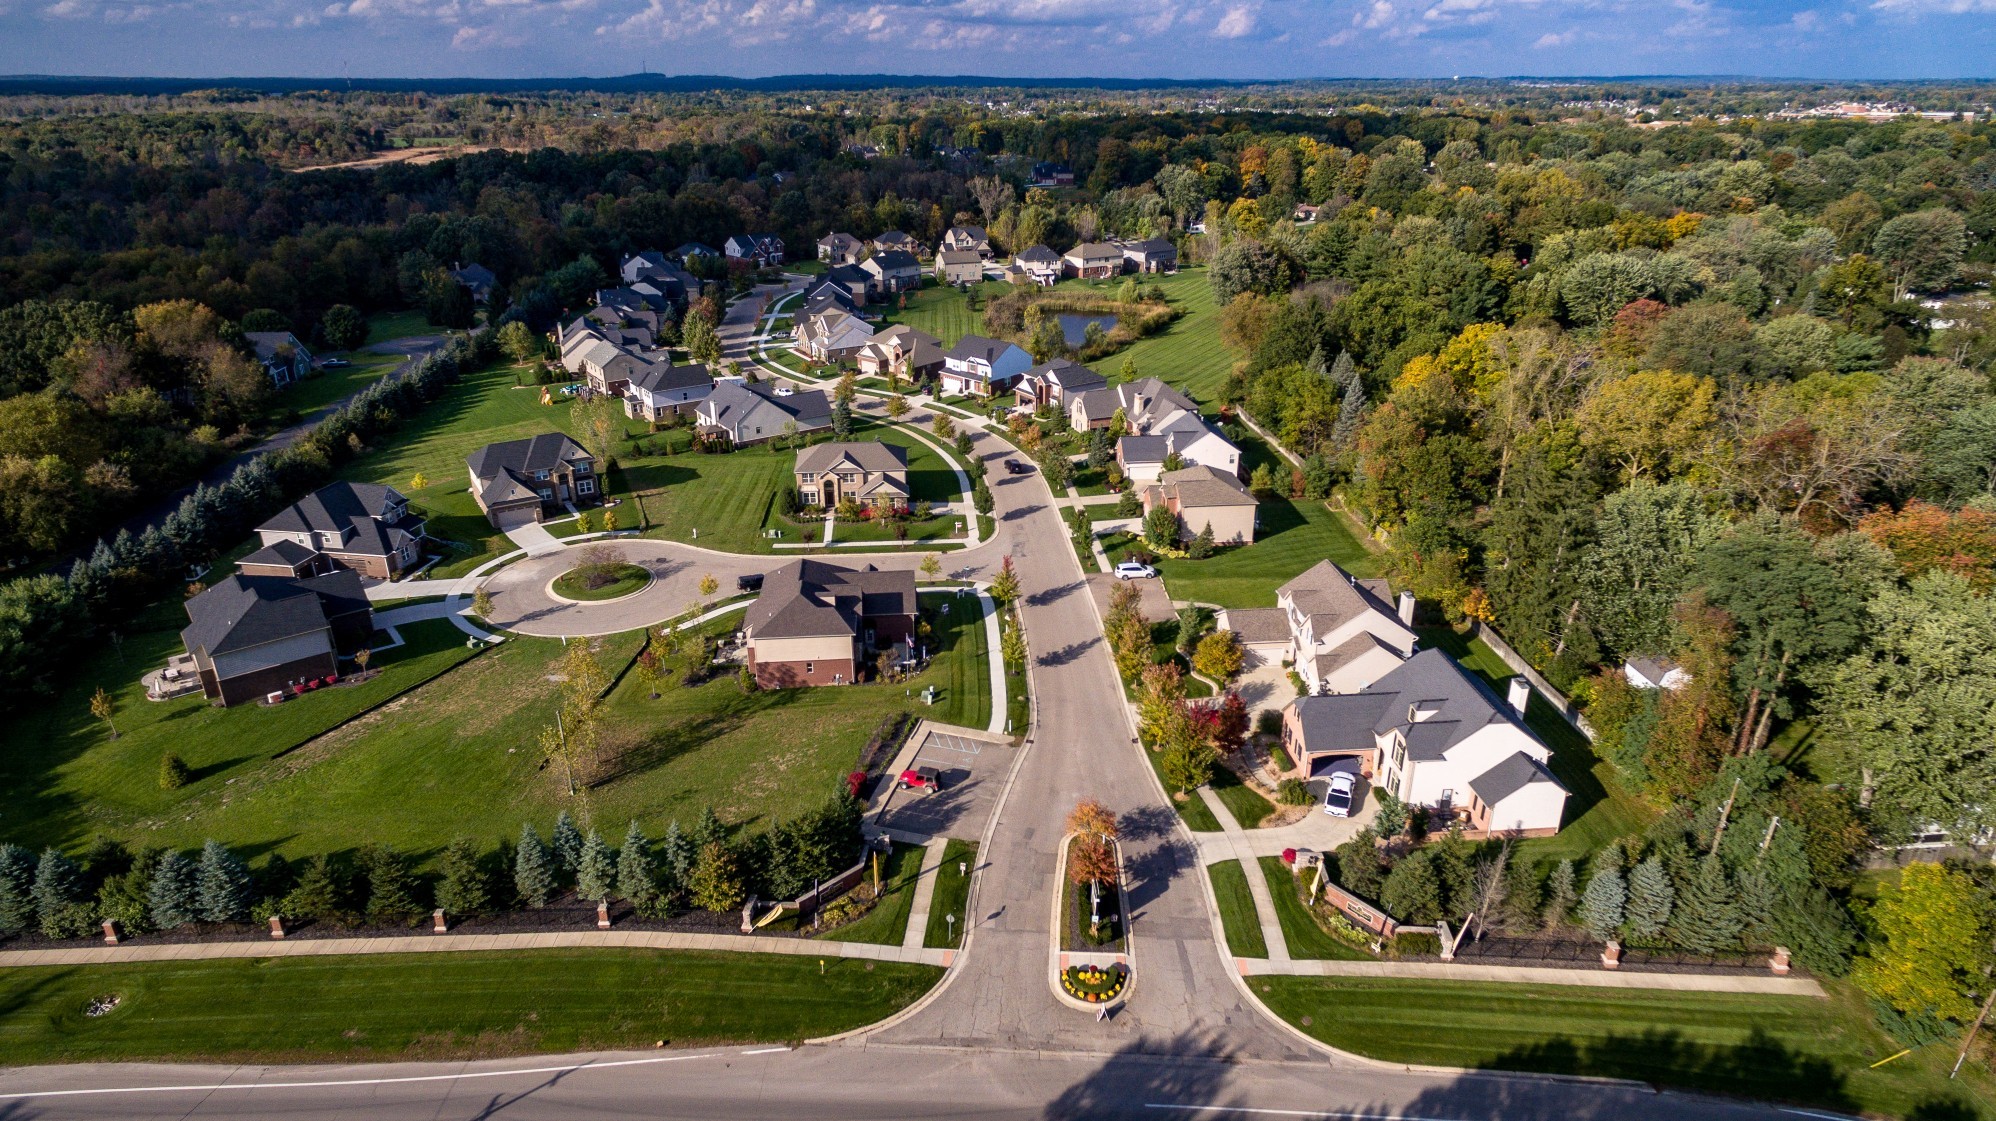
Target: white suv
pixel 1131 570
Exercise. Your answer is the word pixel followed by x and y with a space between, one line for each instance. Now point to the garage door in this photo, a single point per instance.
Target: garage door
pixel 513 519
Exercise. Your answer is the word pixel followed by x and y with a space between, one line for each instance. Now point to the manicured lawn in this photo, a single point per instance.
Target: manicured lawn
pixel 1192 808
pixel 951 897
pixel 1188 353
pixel 945 312
pixel 1598 809
pixel 962 672
pixel 1306 939
pixel 1237 913
pixel 1793 1049
pixel 384 326
pixel 1247 807
pixel 887 923
pixel 326 387
pixel 440 1006
pixel 623 580
pixel 63 778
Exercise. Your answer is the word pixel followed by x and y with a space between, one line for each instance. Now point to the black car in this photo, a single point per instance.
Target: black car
pixel 1018 467
pixel 750 583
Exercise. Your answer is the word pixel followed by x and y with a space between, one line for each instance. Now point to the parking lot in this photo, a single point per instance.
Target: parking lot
pixel 972 765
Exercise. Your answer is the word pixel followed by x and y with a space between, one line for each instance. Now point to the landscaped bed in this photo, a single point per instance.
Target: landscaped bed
pixel 1095 984
pixel 600 582
pixel 1075 934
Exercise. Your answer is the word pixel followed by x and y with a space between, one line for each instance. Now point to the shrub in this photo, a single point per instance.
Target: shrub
pixel 173 772
pixel 465 889
pixel 1293 792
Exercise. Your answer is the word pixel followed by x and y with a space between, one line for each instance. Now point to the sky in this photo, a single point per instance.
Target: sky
pixel 1242 39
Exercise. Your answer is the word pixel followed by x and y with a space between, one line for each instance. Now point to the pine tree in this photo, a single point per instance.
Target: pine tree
pixel 223 891
pixel 708 830
pixel 392 886
pixel 842 420
pixel 635 879
pixel 465 889
pixel 1559 896
pixel 535 874
pixel 675 862
pixel 322 892
pixel 173 899
pixel 567 842
pixel 595 870
pixel 1707 917
pixel 17 889
pixel 1351 411
pixel 1316 363
pixel 1358 865
pixel 1650 899
pixel 1602 904
pixel 1412 892
pixel 61 901
pixel 1456 872
pixel 716 883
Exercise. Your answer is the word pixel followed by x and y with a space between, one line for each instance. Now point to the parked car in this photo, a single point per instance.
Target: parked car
pixel 1337 798
pixel 785 389
pixel 749 583
pixel 922 778
pixel 1131 570
pixel 1018 467
pixel 335 364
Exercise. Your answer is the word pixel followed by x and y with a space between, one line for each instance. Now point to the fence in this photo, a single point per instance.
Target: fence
pixel 1519 665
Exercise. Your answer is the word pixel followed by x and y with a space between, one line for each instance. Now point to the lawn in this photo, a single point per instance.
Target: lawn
pixel 1242 801
pixel 325 387
pixel 887 923
pixel 1300 929
pixel 64 778
pixel 1237 913
pixel 1794 1049
pixel 952 896
pixel 961 672
pixel 945 312
pixel 1599 809
pixel 1188 353
pixel 387 326
pixel 440 1006
pixel 620 581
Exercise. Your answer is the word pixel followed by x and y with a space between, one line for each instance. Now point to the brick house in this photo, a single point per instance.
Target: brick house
pixel 817 623
pixel 360 526
pixel 250 636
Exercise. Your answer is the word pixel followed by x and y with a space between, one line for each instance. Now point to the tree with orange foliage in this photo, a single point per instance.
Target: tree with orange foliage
pixel 1923 537
pixel 1090 818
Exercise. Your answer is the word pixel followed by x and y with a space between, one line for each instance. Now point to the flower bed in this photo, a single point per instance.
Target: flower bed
pixel 600 582
pixel 1093 983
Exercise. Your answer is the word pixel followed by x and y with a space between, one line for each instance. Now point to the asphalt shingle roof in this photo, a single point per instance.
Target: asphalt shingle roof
pixel 239 612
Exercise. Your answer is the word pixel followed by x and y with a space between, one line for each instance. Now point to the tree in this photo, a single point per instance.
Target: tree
pixel 1645 540
pixel 535 873
pixel 1559 898
pixel 102 707
pixel 636 879
pixel 1247 265
pixel 599 419
pixel 1161 527
pixel 1601 905
pixel 1412 893
pixel 1359 869
pixel 701 341
pixel 943 427
pixel 61 899
pixel 224 891
pixel 932 565
pixel 716 883
pixel 1219 656
pixel 1012 644
pixel 1187 766
pixel 392 886
pixel 676 855
pixel 566 843
pixel 481 603
pixel 464 888
pixel 1090 817
pixel 343 327
pixel 518 341
pixel 1262 481
pixel 1650 899
pixel 1922 250
pixel 17 889
pixel 1923 537
pixel 595 870
pixel 897 406
pixel 842 419
pixel 1351 405
pixel 1706 917
pixel 1005 585
pixel 174 899
pixel 1933 947
pixel 1651 423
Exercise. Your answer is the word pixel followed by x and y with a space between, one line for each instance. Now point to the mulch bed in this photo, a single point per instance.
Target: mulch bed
pixel 1075 937
pixel 1564 952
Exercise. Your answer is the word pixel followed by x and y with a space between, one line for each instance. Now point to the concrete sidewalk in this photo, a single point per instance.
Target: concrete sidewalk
pixel 1768 985
pixel 1232 844
pixel 925 893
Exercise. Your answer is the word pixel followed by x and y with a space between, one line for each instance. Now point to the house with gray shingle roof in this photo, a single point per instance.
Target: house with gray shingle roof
pixel 520 481
pixel 981 367
pixel 250 636
pixel 1345 633
pixel 840 249
pixel 1204 498
pixel 869 472
pixel 816 623
pixel 360 526
pixel 751 414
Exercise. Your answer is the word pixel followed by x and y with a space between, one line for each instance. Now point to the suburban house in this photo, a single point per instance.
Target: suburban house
pixel 959 266
pixel 360 526
pixel 477 279
pixel 1150 255
pixel 608 367
pixel 1436 737
pixel 892 270
pixel 816 623
pixel 869 472
pixel 664 390
pixel 981 367
pixel 1048 174
pixel 1306 213
pixel 250 636
pixel 826 294
pixel 753 250
pixel 918 355
pixel 1645 672
pixel 587 330
pixel 1094 260
pixel 643 305
pixel 520 481
pixel 639 266
pixel 1162 423
pixel 970 239
pixel 832 336
pixel 281 355
pixel 692 249
pixel 848 281
pixel 750 414
pixel 840 249
pixel 1344 633
pixel 1205 498
pixel 1037 265
pixel 894 241
pixel 1052 385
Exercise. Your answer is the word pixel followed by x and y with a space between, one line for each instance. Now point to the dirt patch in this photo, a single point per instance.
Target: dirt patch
pixel 416 156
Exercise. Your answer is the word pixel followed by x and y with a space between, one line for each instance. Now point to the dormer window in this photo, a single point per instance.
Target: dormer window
pixel 541 476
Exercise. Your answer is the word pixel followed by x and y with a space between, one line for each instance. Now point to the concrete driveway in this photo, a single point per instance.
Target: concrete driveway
pixel 534 538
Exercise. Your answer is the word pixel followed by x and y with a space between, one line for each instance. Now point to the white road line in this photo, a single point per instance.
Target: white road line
pixel 373 1081
pixel 1294 1112
pixel 767 1051
pixel 1815 1113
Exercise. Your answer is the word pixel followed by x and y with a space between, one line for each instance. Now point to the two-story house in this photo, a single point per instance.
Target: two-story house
pixel 959 266
pixel 890 271
pixel 361 526
pixel 894 241
pixel 832 336
pixel 840 249
pixel 1344 633
pixel 981 367
pixel 1094 260
pixel 1037 265
pixel 281 355
pixel 250 636
pixel 1056 383
pixel 664 390
pixel 915 355
pixel 752 414
pixel 1204 498
pixel 967 239
pixel 868 472
pixel 520 481
pixel 816 623
pixel 1163 424
pixel 753 250
pixel 1154 254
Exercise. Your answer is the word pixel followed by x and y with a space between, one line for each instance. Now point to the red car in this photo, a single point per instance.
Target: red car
pixel 922 778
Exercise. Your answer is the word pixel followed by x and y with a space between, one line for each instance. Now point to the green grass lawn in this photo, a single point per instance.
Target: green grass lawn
pixel 326 387
pixel 1598 809
pixel 623 580
pixel 952 896
pixel 1793 1049
pixel 387 326
pixel 945 312
pixel 440 1006
pixel 1237 913
pixel 1188 353
pixel 887 923
pixel 1300 930
pixel 1242 801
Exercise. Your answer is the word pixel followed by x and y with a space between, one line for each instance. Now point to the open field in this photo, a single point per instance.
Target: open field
pixel 440 1006
pixel 1188 353
pixel 1795 1049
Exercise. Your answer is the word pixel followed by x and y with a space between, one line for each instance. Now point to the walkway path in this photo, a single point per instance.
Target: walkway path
pixel 1233 842
pixel 925 893
pixel 1767 985
pixel 534 538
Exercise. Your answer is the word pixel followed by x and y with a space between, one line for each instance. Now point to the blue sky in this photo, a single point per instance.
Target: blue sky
pixel 1055 38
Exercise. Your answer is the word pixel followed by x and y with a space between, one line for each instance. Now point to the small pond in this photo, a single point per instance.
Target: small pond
pixel 1074 328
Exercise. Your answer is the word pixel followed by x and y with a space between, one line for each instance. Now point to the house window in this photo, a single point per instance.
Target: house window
pixel 547 496
pixel 807 668
pixel 808 477
pixel 541 476
pixel 585 486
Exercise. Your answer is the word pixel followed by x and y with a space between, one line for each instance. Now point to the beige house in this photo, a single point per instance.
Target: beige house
pixel 868 472
pixel 1204 498
pixel 959 266
pixel 816 623
pixel 915 355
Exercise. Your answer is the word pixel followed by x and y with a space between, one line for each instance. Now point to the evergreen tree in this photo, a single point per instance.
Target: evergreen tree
pixel 1560 897
pixel 1359 871
pixel 1351 410
pixel 321 892
pixel 17 889
pixel 1602 904
pixel 675 862
pixel 1456 873
pixel 595 870
pixel 1650 899
pixel 1412 892
pixel 61 899
pixel 567 842
pixel 223 890
pixel 716 884
pixel 635 879
pixel 173 899
pixel 392 887
pixel 842 420
pixel 709 830
pixel 465 889
pixel 535 873
pixel 1707 917
pixel 126 898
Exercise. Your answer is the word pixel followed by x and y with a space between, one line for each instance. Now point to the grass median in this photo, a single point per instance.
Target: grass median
pixel 1237 911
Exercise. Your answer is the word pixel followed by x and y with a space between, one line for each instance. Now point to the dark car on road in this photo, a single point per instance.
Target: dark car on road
pixel 750 583
pixel 1018 467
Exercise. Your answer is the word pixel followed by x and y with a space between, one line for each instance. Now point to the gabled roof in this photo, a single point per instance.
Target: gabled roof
pixel 1071 376
pixel 286 552
pixel 1341 723
pixel 839 242
pixel 966 233
pixel 1097 404
pixel 950 257
pixel 1199 486
pixel 648 258
pixel 906 337
pixel 1095 250
pixel 733 404
pixel 475 275
pixel 851 276
pixel 1143 449
pixel 1331 597
pixel 1039 255
pixel 1349 651
pixel 695 249
pixel 977 348
pixel 544 452
pixel 1462 705
pixel 893 239
pixel 867 455
pixel 810 598
pixel 664 377
pixel 267 343
pixel 1151 247
pixel 1511 774
pixel 1259 624
pixel 334 507
pixel 239 612
pixel 892 260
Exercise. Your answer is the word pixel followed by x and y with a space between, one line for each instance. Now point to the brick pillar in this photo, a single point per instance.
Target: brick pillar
pixel 277 926
pixel 437 923
pixel 602 916
pixel 111 932
pixel 1611 955
pixel 1778 964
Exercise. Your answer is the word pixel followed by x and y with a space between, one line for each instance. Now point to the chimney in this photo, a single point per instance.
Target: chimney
pixel 1521 694
pixel 1407 608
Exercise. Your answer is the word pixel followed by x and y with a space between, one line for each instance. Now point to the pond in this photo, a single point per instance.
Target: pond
pixel 1074 328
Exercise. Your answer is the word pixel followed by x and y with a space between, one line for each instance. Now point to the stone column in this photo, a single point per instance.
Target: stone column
pixel 277 926
pixel 602 915
pixel 1611 955
pixel 1778 964
pixel 111 932
pixel 438 925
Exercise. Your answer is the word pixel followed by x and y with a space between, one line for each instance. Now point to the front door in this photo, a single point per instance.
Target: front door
pixel 828 492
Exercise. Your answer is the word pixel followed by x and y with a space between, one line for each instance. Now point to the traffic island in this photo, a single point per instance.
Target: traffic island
pixel 1091 946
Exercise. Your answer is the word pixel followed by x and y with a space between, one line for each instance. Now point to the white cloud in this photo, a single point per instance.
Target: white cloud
pixel 1551 39
pixel 1237 22
pixel 485 38
pixel 1934 7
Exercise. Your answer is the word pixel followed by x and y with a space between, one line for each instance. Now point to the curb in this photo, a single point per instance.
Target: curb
pixel 1055 932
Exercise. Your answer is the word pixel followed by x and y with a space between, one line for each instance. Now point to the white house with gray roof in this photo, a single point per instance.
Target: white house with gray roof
pixel 1162 423
pixel 751 414
pixel 981 367
pixel 1344 633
